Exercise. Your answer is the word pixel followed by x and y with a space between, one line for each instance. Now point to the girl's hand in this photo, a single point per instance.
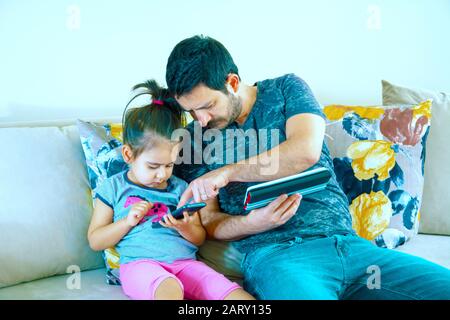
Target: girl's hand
pixel 182 225
pixel 190 227
pixel 137 212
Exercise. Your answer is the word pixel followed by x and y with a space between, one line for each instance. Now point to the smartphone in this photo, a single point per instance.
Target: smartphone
pixel 190 207
pixel 178 213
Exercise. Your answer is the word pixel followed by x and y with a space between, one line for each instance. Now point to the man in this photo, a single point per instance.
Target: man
pixel 293 248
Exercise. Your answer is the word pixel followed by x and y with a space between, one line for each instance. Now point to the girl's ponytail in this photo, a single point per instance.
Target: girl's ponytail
pixel 154 120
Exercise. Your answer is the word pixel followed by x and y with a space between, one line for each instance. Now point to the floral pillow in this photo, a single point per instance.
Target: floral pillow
pixel 102 145
pixel 379 155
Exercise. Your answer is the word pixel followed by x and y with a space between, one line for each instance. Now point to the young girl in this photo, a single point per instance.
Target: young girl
pixel 155 263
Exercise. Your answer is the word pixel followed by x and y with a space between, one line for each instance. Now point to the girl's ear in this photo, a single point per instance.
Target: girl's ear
pixel 127 154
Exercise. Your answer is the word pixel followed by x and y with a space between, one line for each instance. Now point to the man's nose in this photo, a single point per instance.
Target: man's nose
pixel 203 118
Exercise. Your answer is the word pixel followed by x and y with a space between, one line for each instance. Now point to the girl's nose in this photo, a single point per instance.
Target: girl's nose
pixel 161 174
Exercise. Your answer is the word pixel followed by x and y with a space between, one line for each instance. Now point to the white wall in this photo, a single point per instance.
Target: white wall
pixel 66 59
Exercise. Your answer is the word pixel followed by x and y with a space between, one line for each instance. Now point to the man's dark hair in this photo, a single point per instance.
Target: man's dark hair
pixel 196 60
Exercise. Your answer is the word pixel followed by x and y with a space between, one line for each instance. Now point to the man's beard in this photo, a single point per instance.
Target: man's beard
pixel 234 110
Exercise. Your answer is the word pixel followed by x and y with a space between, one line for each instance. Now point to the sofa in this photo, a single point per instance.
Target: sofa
pixel 46 211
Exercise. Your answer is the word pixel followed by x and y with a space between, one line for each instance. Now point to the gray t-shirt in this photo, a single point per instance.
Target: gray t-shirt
pixel 144 241
pixel 322 213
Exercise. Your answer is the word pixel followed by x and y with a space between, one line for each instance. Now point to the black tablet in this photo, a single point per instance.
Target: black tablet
pixel 307 182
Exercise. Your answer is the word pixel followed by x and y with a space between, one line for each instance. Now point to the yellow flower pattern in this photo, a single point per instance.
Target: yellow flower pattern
pixel 381 169
pixel 116 131
pixel 336 112
pixel 371 157
pixel 112 257
pixel 371 214
pixel 422 109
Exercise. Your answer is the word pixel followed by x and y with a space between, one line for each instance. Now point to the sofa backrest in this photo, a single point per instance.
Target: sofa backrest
pixel 46 202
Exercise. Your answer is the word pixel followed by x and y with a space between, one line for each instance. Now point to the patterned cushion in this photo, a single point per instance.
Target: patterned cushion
pixel 379 154
pixel 102 145
pixel 435 203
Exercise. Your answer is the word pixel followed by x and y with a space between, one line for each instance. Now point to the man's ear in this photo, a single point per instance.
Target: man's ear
pixel 127 154
pixel 233 82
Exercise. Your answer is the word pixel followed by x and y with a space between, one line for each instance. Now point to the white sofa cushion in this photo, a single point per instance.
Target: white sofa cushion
pixel 90 285
pixel 435 216
pixel 46 204
pixel 430 247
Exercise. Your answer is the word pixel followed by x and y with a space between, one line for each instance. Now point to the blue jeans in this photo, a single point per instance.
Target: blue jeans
pixel 341 267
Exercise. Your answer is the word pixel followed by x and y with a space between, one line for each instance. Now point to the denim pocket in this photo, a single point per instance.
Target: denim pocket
pixel 253 259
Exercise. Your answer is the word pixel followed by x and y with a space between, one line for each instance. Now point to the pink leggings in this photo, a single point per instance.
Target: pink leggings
pixel 141 278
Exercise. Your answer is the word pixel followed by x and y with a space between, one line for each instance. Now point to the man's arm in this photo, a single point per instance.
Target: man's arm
pixel 300 151
pixel 305 130
pixel 222 226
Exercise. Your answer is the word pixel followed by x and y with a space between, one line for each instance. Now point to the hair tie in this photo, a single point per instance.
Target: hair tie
pixel 160 102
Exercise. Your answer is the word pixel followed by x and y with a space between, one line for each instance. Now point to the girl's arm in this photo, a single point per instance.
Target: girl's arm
pixel 102 232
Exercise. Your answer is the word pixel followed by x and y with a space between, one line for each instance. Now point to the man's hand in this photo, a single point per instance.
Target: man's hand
pixel 205 187
pixel 275 214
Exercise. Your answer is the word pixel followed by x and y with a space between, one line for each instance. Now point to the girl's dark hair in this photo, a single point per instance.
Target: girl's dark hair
pixel 195 60
pixel 143 126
